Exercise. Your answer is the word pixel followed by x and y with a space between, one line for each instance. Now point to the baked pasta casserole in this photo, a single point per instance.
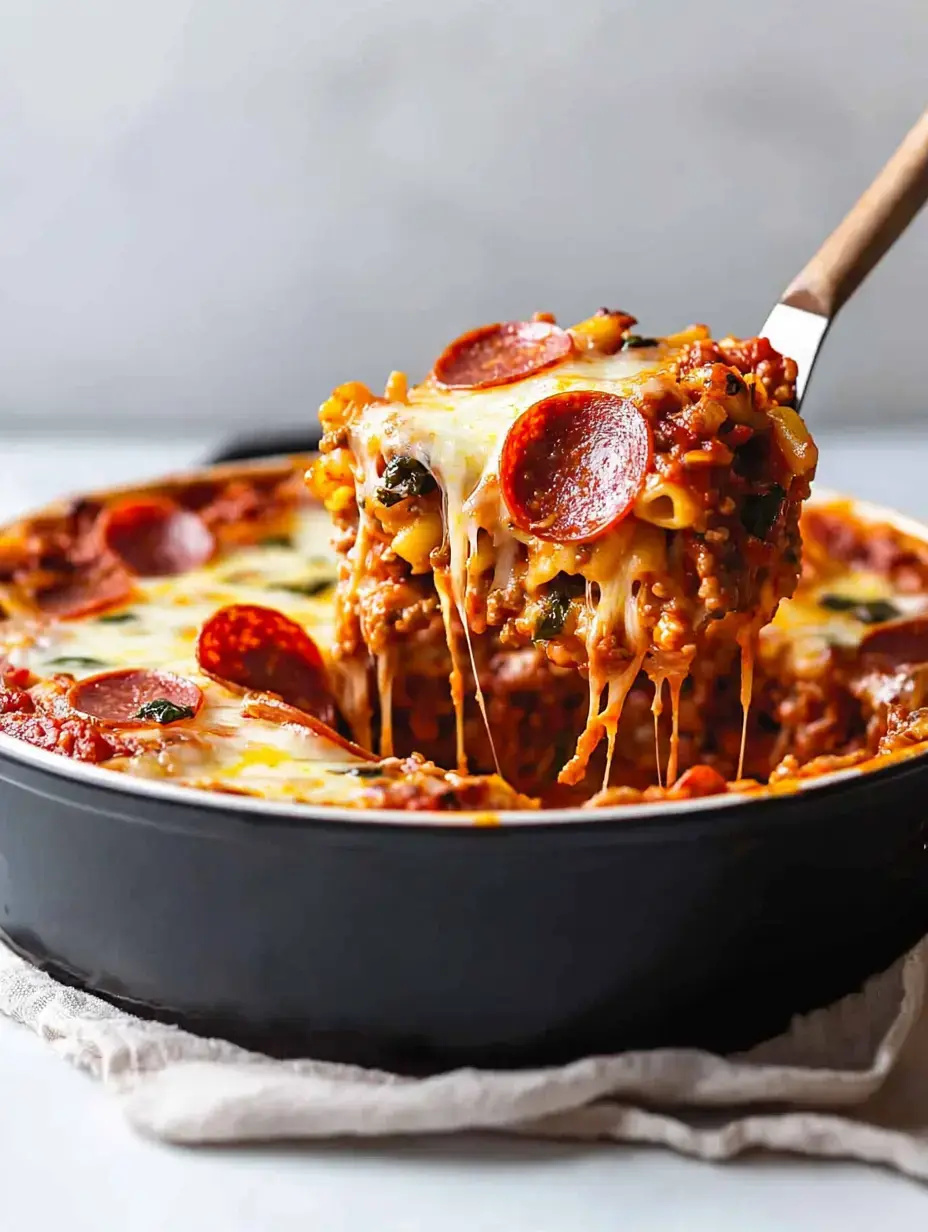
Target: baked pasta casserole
pixel 573 512
pixel 570 567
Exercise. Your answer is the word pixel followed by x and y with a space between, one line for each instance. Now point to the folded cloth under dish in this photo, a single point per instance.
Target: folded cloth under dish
pixel 850 1081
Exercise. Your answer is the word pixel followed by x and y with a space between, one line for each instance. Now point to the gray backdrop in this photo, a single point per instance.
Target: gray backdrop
pixel 211 211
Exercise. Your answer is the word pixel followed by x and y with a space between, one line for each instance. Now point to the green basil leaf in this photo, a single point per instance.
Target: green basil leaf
pixel 554 613
pixel 161 710
pixel 760 511
pixel 867 611
pixel 117 618
pixel 837 603
pixel 76 661
pixel 402 478
pixel 317 586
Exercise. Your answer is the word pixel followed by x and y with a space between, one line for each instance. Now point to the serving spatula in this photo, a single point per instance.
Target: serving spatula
pixel 799 322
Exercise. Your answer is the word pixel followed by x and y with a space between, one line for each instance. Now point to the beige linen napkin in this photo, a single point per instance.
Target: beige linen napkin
pixel 849 1081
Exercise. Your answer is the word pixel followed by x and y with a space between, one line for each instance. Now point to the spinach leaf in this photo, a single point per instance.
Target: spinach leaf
pixel 867 611
pixel 163 711
pixel 276 541
pixel 761 510
pixel 404 477
pixel 117 618
pixel 76 661
pixel 633 341
pixel 317 586
pixel 554 613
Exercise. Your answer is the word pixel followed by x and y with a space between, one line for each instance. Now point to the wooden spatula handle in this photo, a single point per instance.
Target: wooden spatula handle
pixel 876 221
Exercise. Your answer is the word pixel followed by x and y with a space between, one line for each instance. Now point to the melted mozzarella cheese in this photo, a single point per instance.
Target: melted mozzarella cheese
pixel 220 748
pixel 459 435
pixel 159 628
pixel 810 628
pixel 224 750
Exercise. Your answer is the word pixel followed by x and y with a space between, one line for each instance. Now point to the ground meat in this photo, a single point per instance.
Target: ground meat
pixel 749 355
pixel 696 782
pixel 14 700
pixel 44 718
pixel 77 738
pixel 418 785
pixel 903 729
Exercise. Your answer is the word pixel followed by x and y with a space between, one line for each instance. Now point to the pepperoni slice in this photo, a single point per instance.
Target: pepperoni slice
pixel 90 589
pixel 501 353
pixel 117 697
pixel 261 650
pixel 698 781
pixel 573 464
pixel 154 537
pixel 273 710
pixel 898 643
pixel 14 677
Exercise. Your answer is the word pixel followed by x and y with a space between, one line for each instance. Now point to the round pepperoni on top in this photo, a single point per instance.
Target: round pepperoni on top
pixel 137 696
pixel 155 537
pixel 898 643
pixel 573 465
pixel 501 353
pixel 92 588
pixel 273 710
pixel 258 649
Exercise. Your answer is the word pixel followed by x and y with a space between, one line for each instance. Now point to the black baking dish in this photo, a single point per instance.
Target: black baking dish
pixel 432 943
pixel 421 941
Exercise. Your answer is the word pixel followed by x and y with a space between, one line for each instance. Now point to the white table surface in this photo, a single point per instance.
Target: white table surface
pixel 69 1161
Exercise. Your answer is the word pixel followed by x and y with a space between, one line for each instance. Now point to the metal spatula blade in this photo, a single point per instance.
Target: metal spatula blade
pixel 799 322
pixel 798 334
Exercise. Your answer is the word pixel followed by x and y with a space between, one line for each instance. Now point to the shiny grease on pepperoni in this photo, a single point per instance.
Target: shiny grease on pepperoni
pixel 501 353
pixel 259 649
pixel 573 465
pixel 155 537
pixel 273 710
pixel 136 696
